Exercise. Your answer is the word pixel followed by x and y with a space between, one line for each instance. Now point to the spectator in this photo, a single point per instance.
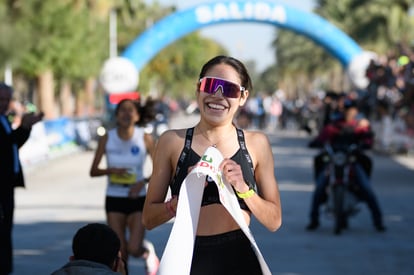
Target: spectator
pixel 11 174
pixel 96 250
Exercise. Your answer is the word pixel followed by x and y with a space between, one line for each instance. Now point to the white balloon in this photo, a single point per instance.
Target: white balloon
pixel 357 68
pixel 119 75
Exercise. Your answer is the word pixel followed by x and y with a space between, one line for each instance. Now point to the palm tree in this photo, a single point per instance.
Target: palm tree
pixel 378 25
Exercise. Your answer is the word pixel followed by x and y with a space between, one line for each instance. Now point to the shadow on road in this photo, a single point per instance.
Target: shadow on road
pixel 42 247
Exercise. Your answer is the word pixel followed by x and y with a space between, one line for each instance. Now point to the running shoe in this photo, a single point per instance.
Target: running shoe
pixel 151 262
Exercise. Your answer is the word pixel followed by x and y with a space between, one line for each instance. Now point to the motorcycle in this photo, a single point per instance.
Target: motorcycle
pixel 337 160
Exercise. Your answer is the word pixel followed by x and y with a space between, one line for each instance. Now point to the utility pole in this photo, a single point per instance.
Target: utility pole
pixel 8 75
pixel 113 43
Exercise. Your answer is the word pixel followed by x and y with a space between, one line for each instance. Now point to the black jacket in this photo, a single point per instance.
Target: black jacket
pixel 8 178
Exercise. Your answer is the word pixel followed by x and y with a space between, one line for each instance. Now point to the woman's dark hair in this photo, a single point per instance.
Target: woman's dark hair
pixel 146 112
pixel 246 82
pixel 96 242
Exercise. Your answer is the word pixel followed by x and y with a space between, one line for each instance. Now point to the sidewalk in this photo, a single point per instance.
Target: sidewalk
pixel 406 160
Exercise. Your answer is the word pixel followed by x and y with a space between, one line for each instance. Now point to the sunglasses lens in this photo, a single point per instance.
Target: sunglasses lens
pixel 210 85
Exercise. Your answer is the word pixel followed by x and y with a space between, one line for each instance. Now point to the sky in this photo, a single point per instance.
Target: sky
pixel 246 41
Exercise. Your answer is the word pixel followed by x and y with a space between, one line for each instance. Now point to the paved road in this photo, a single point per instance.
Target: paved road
pixel 61 197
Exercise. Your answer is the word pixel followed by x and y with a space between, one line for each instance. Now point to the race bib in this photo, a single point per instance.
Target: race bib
pixel 128 178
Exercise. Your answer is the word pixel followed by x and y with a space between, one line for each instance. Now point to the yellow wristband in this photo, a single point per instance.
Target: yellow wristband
pixel 245 195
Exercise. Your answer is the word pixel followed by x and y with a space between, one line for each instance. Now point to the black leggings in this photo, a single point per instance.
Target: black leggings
pixel 124 205
pixel 225 254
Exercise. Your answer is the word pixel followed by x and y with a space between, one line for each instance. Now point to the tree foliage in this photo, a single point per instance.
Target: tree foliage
pixel 53 28
pixel 174 71
pixel 70 40
pixel 377 25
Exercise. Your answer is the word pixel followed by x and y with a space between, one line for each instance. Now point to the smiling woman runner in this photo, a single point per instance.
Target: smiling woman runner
pixel 220 247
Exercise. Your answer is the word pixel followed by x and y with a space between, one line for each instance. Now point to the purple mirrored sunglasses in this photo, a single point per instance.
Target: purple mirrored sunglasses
pixel 210 85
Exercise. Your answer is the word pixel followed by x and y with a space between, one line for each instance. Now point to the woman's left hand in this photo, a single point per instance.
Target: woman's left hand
pixel 136 189
pixel 233 174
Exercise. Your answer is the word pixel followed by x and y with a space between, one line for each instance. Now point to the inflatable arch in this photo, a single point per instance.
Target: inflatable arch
pixel 183 22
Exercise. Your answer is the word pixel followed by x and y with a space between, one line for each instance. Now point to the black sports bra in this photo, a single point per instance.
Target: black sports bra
pixel 189 158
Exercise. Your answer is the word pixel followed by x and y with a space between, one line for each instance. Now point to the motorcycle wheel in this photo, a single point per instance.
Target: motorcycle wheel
pixel 339 213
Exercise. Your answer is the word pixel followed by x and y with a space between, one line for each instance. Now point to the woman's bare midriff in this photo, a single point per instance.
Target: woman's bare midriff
pixel 215 219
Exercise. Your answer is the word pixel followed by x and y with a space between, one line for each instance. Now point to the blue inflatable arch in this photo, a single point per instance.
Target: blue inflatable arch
pixel 183 22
